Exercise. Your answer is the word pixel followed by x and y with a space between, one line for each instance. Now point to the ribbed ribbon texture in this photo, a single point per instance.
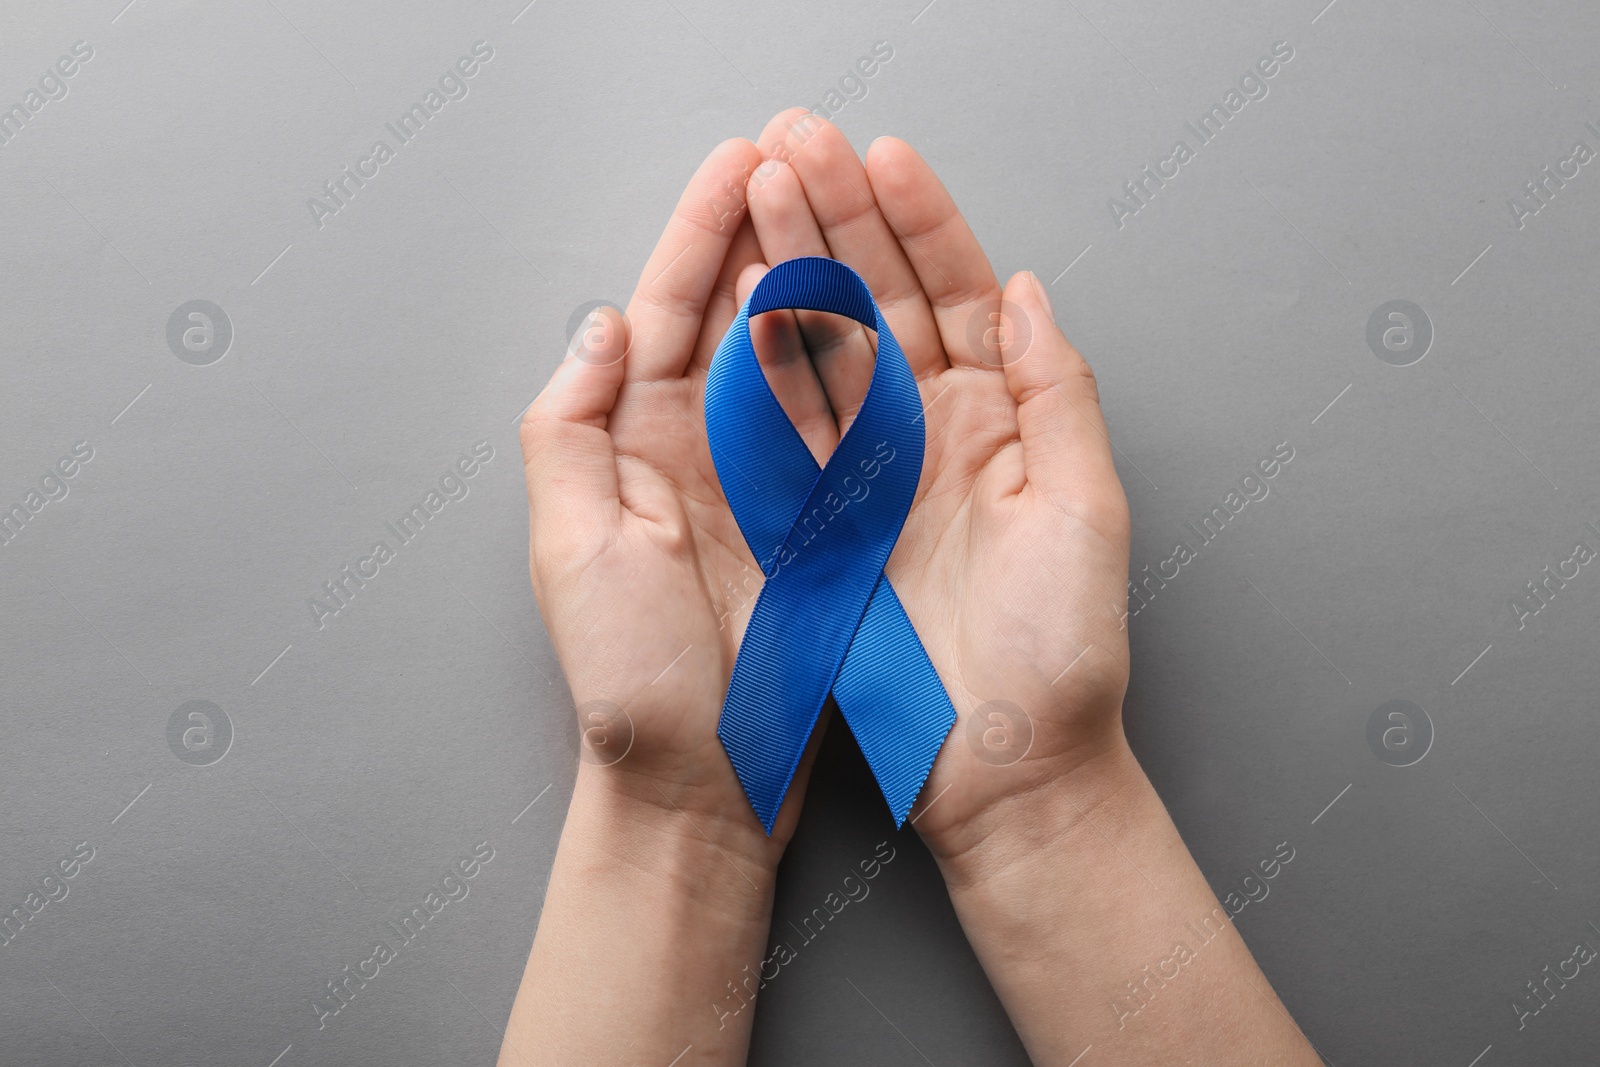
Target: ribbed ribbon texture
pixel 827 619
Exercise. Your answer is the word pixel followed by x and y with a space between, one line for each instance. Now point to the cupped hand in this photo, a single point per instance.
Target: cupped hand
pixel 641 574
pixel 1013 561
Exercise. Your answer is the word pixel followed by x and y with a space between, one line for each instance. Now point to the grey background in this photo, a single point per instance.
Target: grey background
pixel 1223 319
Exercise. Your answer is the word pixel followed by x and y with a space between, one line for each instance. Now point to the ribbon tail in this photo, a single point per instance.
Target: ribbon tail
pixel 773 703
pixel 899 717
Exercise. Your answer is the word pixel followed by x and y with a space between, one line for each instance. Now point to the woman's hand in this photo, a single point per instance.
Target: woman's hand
pixel 655 922
pixel 1013 561
pixel 642 576
pixel 1013 567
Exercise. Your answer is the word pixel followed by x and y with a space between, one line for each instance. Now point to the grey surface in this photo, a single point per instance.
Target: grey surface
pixel 1223 319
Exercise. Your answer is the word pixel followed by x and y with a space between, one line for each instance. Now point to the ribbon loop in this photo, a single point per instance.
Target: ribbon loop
pixel 827 620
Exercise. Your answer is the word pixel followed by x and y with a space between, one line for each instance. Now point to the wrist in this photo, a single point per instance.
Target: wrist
pixel 1081 901
pixel 654 919
pixel 672 840
pixel 1055 813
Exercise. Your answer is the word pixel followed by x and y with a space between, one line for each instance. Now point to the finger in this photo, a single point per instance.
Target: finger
pixel 840 196
pixel 669 303
pixel 840 348
pixel 568 456
pixel 1065 448
pixel 940 246
pixel 787 365
pixel 744 251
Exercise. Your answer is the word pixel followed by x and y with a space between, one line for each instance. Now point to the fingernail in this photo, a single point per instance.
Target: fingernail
pixel 1044 297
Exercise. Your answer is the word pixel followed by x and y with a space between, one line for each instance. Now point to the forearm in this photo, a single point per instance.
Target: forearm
pixel 1097 928
pixel 652 911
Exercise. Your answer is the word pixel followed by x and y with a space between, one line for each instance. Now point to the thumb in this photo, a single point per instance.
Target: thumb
pixel 1064 439
pixel 567 454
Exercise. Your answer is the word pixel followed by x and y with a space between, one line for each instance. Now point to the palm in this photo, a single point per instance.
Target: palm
pixel 1037 652
pixel 651 642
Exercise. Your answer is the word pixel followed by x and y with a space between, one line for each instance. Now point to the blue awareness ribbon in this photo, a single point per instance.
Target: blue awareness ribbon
pixel 827 619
